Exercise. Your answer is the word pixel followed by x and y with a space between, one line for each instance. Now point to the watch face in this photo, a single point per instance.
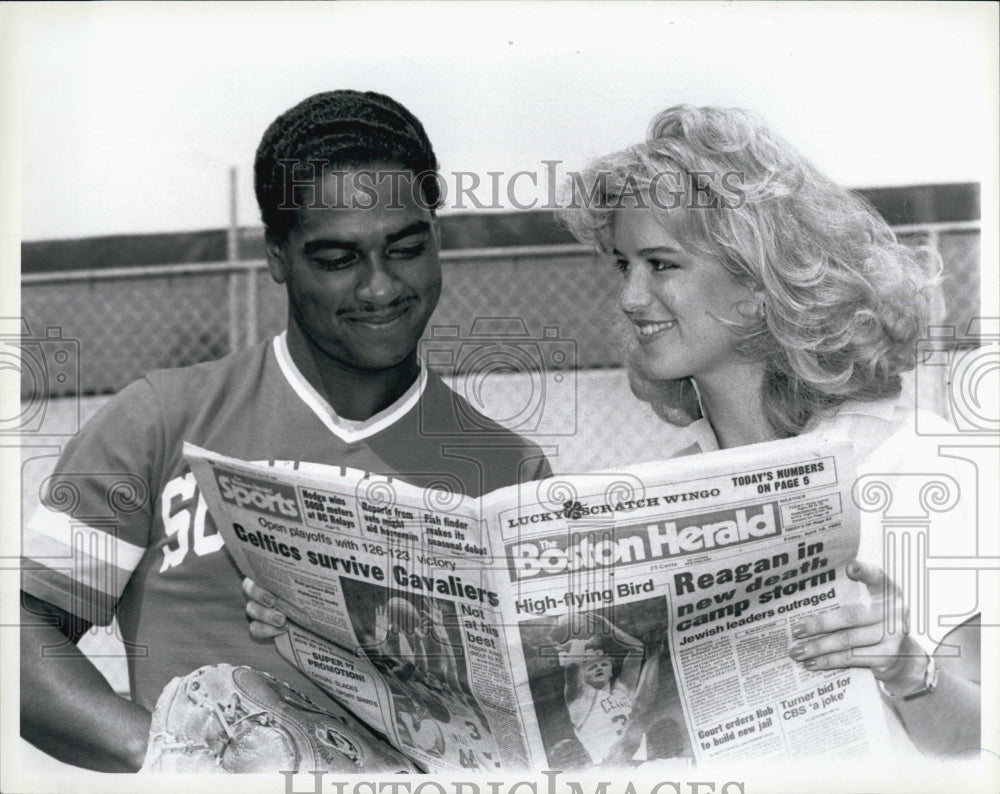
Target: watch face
pixel 928 685
pixel 930 679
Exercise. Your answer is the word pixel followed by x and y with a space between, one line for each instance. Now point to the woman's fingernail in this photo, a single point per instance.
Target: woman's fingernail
pixel 797 651
pixel 798 631
pixel 852 569
pixel 811 664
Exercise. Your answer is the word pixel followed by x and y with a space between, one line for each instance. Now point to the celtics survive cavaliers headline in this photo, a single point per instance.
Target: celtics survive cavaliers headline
pixel 450 585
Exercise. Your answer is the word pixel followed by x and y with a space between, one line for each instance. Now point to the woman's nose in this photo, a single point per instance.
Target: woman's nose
pixel 634 293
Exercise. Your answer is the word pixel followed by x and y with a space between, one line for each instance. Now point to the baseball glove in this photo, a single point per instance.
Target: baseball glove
pixel 223 718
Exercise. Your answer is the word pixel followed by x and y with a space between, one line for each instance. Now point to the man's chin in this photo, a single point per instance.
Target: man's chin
pixel 374 362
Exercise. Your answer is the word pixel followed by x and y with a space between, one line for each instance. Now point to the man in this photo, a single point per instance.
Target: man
pixel 347 188
pixel 415 643
pixel 602 672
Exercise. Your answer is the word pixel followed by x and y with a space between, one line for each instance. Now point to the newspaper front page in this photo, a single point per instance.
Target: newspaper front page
pixel 628 618
pixel 654 609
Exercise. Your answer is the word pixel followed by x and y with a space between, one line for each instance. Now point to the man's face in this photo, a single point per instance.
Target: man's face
pixel 363 276
pixel 597 670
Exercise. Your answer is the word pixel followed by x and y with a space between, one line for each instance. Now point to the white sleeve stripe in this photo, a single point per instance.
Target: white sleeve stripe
pixel 69 533
pixel 90 570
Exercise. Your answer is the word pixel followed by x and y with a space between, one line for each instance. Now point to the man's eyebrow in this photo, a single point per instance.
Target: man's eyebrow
pixel 417 227
pixel 326 243
pixel 312 246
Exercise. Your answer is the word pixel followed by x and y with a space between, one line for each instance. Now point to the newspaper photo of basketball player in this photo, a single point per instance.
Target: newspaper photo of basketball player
pixel 603 687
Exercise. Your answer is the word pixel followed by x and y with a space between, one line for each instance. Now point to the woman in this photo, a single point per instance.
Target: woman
pixel 763 301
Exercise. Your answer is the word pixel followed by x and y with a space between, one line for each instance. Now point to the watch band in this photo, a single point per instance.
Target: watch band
pixel 929 684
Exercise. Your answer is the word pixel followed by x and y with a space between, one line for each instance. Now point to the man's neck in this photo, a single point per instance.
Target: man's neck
pixel 354 394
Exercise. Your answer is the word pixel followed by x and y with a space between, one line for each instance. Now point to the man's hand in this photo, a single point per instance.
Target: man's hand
pixel 266 622
pixel 436 625
pixel 572 651
pixel 381 628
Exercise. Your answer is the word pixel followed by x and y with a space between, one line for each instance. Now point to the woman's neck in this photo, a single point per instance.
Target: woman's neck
pixel 734 406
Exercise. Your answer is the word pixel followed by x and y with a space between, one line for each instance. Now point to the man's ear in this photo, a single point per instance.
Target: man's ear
pixel 275 257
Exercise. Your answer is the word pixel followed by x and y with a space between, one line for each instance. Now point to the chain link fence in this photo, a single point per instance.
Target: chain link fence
pixel 93 332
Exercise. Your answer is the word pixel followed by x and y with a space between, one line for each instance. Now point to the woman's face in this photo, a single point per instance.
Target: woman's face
pixel 676 299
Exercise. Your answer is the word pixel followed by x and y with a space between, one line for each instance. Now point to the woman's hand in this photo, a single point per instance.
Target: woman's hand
pixel 266 622
pixel 872 635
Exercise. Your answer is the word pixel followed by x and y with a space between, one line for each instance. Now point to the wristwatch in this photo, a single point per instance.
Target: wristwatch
pixel 929 684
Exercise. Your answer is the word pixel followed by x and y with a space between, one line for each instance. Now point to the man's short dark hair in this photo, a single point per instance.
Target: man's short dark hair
pixel 343 129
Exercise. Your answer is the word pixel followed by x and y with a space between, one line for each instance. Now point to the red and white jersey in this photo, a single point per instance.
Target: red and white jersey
pixel 124 531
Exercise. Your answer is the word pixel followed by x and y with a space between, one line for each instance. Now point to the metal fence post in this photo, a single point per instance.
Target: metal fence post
pixel 233 301
pixel 251 305
pixel 232 257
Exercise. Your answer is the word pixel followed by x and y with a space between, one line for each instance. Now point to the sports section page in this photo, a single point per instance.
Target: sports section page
pixel 637 618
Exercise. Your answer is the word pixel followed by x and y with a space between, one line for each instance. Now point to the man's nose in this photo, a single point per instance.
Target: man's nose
pixel 379 283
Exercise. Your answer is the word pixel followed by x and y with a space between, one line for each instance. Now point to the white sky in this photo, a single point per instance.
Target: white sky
pixel 129 116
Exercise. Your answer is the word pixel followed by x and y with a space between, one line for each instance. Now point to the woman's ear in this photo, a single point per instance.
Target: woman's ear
pixel 760 302
pixel 276 262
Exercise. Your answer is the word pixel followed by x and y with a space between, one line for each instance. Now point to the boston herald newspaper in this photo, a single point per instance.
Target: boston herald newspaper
pixel 629 618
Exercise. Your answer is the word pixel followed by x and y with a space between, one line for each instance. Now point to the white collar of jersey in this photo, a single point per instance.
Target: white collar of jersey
pixel 346 430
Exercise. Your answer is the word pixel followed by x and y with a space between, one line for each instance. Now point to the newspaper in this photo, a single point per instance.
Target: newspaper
pixel 636 617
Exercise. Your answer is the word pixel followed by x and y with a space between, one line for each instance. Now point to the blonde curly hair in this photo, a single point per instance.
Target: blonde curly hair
pixel 845 300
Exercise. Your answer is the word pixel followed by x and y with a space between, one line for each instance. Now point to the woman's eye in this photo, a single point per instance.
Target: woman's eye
pixel 659 265
pixel 621 265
